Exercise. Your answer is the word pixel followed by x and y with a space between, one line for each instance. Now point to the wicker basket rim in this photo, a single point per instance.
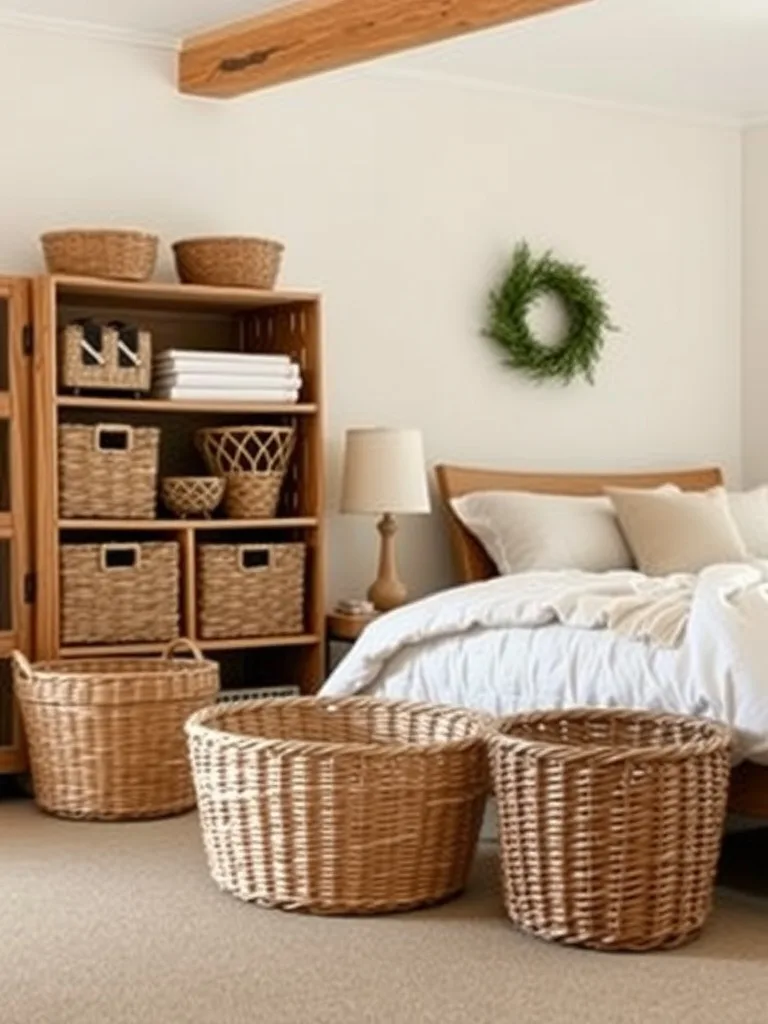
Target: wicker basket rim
pixel 199 726
pixel 197 479
pixel 135 233
pixel 248 426
pixel 133 668
pixel 218 239
pixel 716 736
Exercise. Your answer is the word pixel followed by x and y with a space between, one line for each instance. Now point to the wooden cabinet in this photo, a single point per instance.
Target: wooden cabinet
pixel 16 581
pixel 185 317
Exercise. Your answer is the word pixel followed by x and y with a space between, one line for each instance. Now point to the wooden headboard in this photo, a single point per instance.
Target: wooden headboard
pixel 471 561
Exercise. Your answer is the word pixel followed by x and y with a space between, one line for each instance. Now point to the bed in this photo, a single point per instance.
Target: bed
pixel 440 671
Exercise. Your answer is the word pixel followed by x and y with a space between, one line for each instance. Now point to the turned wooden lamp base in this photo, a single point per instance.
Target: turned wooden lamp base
pixel 388 591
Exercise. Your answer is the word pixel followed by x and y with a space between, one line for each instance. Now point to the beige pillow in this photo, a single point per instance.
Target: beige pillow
pixel 750 513
pixel 669 532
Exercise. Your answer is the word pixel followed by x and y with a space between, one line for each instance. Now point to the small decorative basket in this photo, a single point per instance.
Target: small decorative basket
pixel 610 824
pixel 229 261
pixel 115 255
pixel 254 461
pixel 119 593
pixel 249 590
pixel 192 495
pixel 106 736
pixel 111 357
pixel 107 471
pixel 354 806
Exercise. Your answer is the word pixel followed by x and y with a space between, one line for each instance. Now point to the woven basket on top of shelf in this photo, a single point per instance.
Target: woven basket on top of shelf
pixel 253 460
pixel 351 806
pixel 107 471
pixel 106 736
pixel 610 824
pixel 113 254
pixel 229 261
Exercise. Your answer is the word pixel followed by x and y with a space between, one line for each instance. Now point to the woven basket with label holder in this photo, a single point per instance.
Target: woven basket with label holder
pixel 106 357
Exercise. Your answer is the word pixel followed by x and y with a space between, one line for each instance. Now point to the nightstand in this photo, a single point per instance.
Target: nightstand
pixel 343 629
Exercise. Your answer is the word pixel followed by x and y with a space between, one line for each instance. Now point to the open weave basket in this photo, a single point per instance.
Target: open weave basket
pixel 339 806
pixel 192 495
pixel 106 736
pixel 253 460
pixel 610 824
pixel 116 255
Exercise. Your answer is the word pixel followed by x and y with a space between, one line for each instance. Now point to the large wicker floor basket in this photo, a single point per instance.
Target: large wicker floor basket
pixel 106 737
pixel 346 806
pixel 610 824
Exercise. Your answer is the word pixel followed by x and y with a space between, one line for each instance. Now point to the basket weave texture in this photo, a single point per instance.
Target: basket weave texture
pixel 339 807
pixel 106 737
pixel 119 593
pixel 110 364
pixel 610 824
pixel 254 461
pixel 100 481
pixel 229 261
pixel 250 589
pixel 192 495
pixel 115 255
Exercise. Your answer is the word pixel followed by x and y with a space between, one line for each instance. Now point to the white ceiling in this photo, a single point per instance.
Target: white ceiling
pixel 699 57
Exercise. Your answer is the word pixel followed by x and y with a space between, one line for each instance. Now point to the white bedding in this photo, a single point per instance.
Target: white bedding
pixel 514 644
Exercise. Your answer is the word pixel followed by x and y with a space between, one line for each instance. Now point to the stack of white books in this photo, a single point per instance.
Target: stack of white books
pixel 226 376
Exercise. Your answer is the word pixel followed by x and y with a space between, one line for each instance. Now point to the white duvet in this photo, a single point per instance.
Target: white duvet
pixel 694 644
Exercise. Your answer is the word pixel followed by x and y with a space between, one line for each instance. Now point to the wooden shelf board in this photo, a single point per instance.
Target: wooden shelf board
pixel 240 644
pixel 179 525
pixel 185 296
pixel 5 405
pixel 159 405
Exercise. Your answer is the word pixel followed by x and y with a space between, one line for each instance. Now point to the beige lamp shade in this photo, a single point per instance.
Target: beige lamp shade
pixel 384 472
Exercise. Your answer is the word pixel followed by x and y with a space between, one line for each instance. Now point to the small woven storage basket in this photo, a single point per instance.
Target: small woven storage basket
pixel 105 357
pixel 192 495
pixel 610 824
pixel 254 461
pixel 107 471
pixel 106 736
pixel 346 806
pixel 229 261
pixel 116 255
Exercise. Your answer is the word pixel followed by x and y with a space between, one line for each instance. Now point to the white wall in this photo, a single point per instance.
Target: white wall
pixel 401 200
pixel 755 305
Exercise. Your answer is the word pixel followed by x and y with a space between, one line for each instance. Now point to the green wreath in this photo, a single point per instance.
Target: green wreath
pixel 586 310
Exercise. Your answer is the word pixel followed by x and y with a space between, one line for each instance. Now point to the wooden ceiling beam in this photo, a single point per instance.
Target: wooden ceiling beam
pixel 309 36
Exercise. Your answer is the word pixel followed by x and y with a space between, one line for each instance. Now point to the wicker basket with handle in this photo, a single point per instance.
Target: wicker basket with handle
pixel 106 736
pixel 349 806
pixel 253 460
pixel 107 357
pixel 107 471
pixel 107 253
pixel 119 593
pixel 229 261
pixel 250 589
pixel 610 824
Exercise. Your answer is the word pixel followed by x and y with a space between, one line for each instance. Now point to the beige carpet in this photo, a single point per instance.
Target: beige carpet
pixel 120 924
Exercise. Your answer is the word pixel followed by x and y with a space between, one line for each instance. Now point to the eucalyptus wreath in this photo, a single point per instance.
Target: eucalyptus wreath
pixel 586 311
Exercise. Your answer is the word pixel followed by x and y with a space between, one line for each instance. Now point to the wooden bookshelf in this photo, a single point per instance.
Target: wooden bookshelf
pixel 195 318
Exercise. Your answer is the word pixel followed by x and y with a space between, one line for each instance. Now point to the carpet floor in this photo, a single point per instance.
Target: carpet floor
pixel 120 924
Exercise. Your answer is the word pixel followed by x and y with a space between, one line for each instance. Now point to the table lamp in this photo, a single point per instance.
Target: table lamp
pixel 384 474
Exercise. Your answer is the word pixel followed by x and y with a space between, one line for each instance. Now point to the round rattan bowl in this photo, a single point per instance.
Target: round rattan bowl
pixel 112 254
pixel 192 495
pixel 610 824
pixel 106 736
pixel 229 261
pixel 352 806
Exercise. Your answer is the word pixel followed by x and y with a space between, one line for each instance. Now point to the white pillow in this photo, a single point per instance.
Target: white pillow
pixel 670 533
pixel 750 511
pixel 525 532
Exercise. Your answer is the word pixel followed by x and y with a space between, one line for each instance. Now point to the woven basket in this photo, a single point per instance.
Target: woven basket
pixel 107 471
pixel 254 461
pixel 250 590
pixel 339 806
pixel 107 357
pixel 116 255
pixel 192 495
pixel 119 593
pixel 106 736
pixel 610 824
pixel 232 262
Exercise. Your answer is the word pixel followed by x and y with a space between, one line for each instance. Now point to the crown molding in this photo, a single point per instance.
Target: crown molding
pixel 87 30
